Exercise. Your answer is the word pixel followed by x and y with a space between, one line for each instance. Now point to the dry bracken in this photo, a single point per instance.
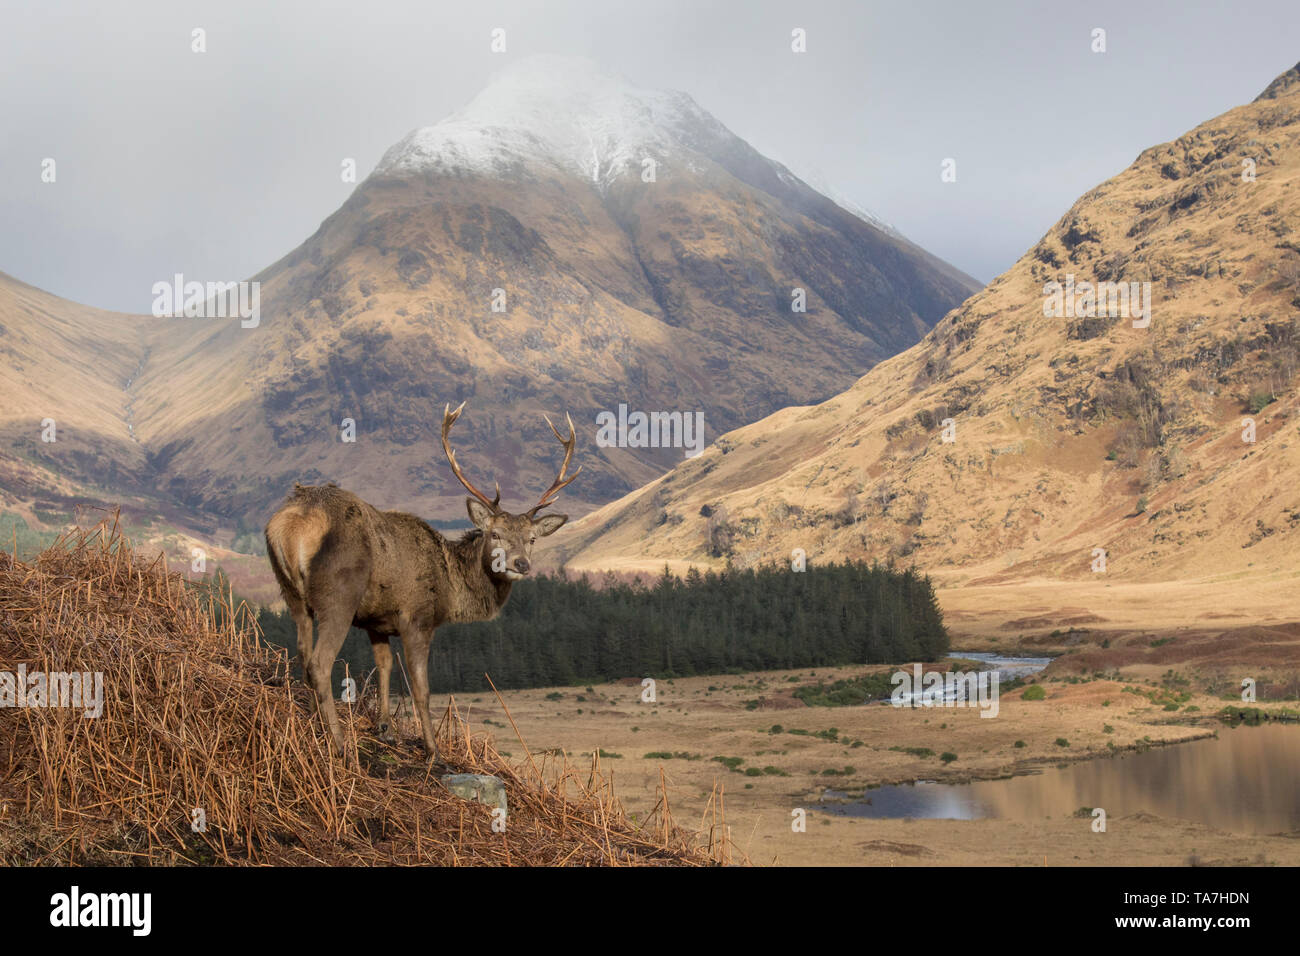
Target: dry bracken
pixel 199 714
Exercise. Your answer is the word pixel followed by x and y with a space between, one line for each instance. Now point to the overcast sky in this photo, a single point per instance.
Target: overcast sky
pixel 217 164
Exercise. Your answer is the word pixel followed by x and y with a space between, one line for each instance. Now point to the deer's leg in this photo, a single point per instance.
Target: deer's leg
pixel 304 622
pixel 296 600
pixel 333 631
pixel 383 651
pixel 416 644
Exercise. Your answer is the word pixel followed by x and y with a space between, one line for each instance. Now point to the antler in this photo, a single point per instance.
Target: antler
pixel 560 481
pixel 448 419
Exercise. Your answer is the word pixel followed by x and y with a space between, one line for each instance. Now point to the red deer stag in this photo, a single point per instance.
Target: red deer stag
pixel 341 562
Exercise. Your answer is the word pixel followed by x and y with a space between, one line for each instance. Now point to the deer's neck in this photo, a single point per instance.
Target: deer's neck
pixel 482 596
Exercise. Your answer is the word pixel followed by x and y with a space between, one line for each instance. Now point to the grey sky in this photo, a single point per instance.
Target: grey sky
pixel 218 164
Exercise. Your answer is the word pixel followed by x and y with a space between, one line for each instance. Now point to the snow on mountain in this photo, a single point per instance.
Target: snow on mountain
pixel 562 112
pixel 566 113
pixel 818 182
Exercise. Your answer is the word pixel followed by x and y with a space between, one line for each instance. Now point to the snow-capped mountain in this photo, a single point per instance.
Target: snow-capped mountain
pixel 515 256
pixel 563 113
pixel 566 113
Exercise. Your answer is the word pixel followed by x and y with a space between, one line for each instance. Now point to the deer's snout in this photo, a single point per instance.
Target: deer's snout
pixel 522 565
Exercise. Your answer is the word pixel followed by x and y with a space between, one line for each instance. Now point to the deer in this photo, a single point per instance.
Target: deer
pixel 341 562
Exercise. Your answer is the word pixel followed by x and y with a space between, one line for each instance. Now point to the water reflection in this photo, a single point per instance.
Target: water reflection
pixel 1247 781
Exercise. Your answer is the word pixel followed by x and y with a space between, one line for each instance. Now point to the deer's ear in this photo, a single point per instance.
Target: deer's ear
pixel 479 513
pixel 549 524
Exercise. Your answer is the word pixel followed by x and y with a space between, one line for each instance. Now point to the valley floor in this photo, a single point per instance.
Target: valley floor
pixel 695 720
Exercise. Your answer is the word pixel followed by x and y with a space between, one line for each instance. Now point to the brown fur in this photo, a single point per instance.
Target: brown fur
pixel 341 562
pixel 301 529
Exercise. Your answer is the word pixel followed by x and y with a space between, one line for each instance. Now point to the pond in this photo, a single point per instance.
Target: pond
pixel 1247 780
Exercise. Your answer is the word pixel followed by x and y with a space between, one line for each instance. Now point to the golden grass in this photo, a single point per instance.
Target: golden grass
pixel 198 714
pixel 1027 490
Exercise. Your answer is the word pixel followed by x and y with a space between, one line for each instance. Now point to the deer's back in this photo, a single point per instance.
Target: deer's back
pixel 331 546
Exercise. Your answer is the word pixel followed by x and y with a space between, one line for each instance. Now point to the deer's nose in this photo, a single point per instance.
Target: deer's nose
pixel 521 565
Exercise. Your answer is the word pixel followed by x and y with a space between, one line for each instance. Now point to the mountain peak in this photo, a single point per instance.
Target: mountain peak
pixel 555 111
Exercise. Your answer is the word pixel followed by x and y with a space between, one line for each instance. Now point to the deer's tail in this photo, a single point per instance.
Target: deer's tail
pixel 293 536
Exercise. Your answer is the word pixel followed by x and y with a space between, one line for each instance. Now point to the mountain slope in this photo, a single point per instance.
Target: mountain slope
pixel 1072 432
pixel 69 365
pixel 671 295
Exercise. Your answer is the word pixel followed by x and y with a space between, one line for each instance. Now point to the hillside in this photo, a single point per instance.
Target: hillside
pixel 670 295
pixel 180 672
pixel 1072 432
pixel 67 421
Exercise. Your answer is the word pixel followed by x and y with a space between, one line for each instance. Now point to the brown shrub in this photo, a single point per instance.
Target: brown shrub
pixel 199 713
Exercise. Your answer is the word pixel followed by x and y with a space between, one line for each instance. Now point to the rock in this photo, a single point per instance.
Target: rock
pixel 484 788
